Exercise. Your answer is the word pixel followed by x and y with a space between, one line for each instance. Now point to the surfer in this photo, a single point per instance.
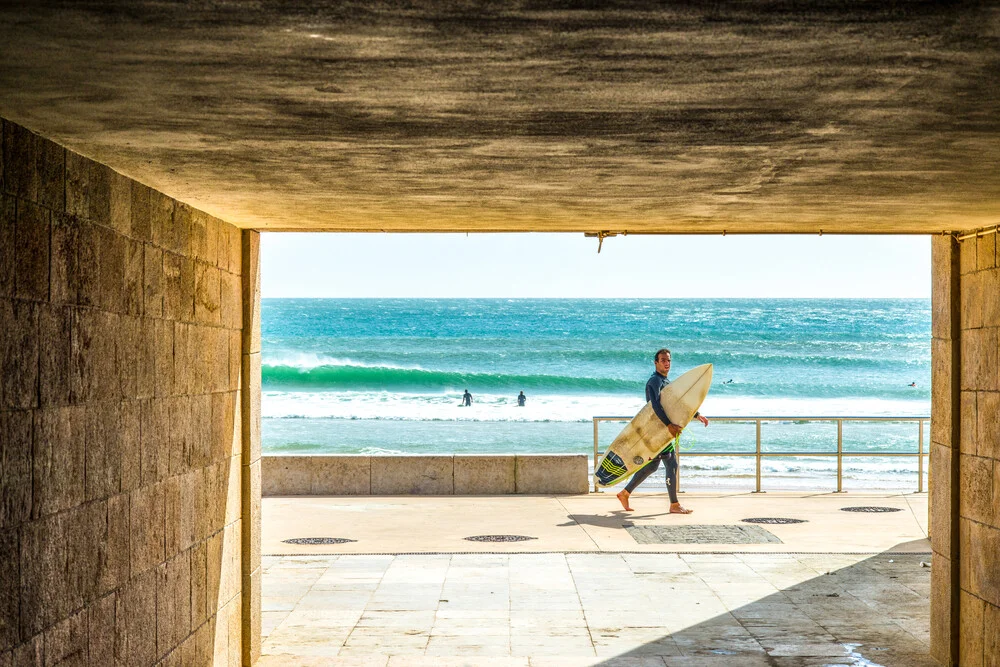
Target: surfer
pixel 657 381
pixel 466 399
pixel 521 399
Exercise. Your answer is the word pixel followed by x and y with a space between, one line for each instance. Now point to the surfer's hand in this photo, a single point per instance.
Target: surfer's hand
pixel 674 429
pixel 703 419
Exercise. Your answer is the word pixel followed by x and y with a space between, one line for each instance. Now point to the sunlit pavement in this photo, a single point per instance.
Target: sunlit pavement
pixel 585 592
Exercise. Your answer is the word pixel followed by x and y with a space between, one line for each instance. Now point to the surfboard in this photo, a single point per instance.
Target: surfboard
pixel 645 436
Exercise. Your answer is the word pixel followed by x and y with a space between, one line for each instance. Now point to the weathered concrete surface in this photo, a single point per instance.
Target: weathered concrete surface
pixel 485 474
pixel 413 475
pixel 423 475
pixel 552 473
pixel 691 117
pixel 316 475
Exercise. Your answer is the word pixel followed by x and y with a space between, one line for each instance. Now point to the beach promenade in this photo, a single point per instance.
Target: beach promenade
pixel 595 585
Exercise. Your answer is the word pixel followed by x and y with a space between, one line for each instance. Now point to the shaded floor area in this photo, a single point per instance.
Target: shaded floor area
pixel 597 609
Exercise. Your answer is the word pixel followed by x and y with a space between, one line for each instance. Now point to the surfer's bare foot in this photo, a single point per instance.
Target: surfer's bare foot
pixel 623 498
pixel 675 508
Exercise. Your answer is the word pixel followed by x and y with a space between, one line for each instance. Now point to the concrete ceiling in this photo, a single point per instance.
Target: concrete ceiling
pixel 571 115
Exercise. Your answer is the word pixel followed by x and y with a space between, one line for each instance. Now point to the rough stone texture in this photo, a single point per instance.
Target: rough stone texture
pixel 940 501
pixel 316 475
pixel 412 475
pixel 484 475
pixel 338 475
pixel 243 249
pixel 977 489
pixel 970 649
pixel 991 638
pixel 120 431
pixel 944 623
pixel 552 473
pixel 422 475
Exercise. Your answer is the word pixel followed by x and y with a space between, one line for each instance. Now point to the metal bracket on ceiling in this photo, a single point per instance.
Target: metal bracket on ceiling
pixel 601 236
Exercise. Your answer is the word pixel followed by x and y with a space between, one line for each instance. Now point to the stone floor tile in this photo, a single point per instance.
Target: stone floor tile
pixel 324 661
pixel 457 661
pixel 269 620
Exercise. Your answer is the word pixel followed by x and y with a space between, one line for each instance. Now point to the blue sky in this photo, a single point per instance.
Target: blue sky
pixel 567 265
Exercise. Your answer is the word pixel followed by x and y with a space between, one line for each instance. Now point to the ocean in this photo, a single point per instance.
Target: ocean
pixel 386 376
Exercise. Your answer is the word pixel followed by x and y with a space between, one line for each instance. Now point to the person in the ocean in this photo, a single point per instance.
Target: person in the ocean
pixel 657 381
pixel 466 398
pixel 521 399
pixel 913 384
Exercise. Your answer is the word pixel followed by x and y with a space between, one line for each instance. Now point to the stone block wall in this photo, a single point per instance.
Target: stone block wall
pixel 418 474
pixel 121 430
pixel 965 452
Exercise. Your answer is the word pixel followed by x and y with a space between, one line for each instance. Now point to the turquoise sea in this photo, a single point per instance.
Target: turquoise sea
pixel 387 375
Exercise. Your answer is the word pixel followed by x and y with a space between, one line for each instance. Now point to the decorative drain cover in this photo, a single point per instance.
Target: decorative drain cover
pixel 500 538
pixel 870 508
pixel 772 520
pixel 318 540
pixel 703 534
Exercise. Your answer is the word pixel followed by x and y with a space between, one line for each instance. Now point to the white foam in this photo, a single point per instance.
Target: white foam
pixel 557 408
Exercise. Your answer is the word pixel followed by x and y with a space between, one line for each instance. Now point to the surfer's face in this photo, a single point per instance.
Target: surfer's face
pixel 663 364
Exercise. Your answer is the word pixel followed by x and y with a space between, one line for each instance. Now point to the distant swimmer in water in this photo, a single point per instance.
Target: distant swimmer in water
pixel 466 399
pixel 913 384
pixel 729 381
pixel 521 399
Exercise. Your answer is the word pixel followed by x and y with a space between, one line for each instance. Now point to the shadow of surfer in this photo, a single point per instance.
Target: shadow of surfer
pixel 654 386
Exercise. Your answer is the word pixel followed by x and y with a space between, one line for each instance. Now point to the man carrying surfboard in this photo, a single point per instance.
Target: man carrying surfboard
pixel 657 381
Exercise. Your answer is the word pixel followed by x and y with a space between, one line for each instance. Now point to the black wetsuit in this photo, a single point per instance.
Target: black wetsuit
pixel 520 400
pixel 654 386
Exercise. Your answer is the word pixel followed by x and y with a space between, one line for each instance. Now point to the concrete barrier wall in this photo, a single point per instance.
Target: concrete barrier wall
pixel 487 474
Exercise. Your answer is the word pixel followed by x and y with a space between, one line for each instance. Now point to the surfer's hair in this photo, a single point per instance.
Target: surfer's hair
pixel 662 350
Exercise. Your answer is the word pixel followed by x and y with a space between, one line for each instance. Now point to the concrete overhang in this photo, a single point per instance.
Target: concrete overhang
pixel 571 115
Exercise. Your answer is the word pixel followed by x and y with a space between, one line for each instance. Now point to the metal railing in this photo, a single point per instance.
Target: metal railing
pixel 760 455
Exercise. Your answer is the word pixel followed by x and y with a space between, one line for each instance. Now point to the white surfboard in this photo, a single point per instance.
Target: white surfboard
pixel 645 436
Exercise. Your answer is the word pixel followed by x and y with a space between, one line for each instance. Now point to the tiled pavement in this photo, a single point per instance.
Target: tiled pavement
pixel 540 609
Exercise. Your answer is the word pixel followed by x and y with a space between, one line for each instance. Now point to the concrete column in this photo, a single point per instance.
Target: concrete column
pixel 945 437
pixel 250 408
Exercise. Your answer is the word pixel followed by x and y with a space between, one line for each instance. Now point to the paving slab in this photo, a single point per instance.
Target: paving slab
pixel 829 609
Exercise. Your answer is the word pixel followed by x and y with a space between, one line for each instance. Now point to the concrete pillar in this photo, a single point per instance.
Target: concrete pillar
pixel 251 464
pixel 965 455
pixel 945 435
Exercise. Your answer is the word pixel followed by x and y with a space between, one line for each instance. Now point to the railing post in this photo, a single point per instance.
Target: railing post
pixel 758 457
pixel 920 458
pixel 840 456
pixel 595 455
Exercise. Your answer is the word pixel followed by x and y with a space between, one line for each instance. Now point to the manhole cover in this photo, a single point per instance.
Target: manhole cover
pixel 701 534
pixel 318 540
pixel 500 538
pixel 870 508
pixel 772 520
